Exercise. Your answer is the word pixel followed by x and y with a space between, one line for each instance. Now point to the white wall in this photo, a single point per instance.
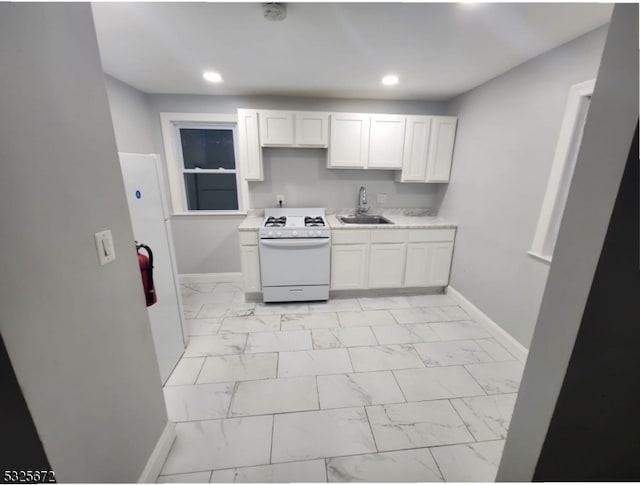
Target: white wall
pixel 131 118
pixel 77 334
pixel 210 243
pixel 507 133
pixel 608 134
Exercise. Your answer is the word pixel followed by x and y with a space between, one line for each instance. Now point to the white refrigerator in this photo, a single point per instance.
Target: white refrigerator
pixel 148 208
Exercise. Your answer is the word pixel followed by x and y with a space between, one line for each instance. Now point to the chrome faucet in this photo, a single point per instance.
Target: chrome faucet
pixel 363 206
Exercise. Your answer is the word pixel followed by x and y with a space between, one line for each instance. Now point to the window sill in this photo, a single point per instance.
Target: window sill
pixel 209 213
pixel 539 257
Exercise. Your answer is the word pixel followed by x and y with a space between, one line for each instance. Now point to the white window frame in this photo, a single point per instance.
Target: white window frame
pixel 553 204
pixel 171 124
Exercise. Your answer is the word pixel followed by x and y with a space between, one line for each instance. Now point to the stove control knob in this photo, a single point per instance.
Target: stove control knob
pixel 319 233
pixel 294 233
pixel 270 233
pixel 279 233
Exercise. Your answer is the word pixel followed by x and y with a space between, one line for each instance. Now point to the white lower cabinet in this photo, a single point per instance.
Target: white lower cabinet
pixel 349 266
pixel 386 265
pixel 440 267
pixel 250 262
pixel 428 264
pixel 418 262
pixel 391 258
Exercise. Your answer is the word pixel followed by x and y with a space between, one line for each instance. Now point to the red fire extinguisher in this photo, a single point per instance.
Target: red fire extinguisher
pixel 146 271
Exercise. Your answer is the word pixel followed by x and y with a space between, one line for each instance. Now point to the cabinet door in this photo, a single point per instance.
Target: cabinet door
pixel 276 128
pixel 418 264
pixel 250 263
pixel 386 141
pixel 349 267
pixel 249 151
pixel 312 129
pixel 386 265
pixel 416 149
pixel 349 146
pixel 443 132
pixel 440 264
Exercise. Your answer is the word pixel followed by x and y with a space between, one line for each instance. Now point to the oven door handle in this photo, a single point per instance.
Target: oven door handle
pixel 295 243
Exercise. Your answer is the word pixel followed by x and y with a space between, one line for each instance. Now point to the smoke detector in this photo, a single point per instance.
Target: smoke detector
pixel 274 11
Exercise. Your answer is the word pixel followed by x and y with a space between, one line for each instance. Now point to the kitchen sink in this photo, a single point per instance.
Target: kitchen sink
pixel 364 219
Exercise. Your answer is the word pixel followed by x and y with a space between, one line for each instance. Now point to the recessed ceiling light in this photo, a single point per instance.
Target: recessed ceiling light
pixel 390 80
pixel 213 77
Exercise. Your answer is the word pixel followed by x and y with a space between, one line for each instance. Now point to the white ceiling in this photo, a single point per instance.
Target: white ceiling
pixel 330 49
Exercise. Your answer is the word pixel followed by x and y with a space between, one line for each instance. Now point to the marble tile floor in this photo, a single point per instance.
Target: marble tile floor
pixel 398 389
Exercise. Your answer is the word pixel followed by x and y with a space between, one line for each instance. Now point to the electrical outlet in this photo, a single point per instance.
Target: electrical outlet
pixel 382 198
pixel 280 200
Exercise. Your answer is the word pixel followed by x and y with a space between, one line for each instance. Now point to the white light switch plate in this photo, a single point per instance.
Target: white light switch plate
pixel 382 198
pixel 104 247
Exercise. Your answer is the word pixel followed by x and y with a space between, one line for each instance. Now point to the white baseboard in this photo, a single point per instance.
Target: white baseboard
pixel 159 454
pixel 519 351
pixel 211 278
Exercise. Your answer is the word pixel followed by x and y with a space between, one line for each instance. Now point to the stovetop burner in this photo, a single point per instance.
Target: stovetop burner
pixel 275 221
pixel 317 221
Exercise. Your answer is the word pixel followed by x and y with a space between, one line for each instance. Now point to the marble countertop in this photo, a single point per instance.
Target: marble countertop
pixel 251 223
pixel 402 219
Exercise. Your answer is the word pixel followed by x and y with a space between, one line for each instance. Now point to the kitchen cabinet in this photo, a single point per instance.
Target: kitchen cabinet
pixel 250 262
pixel 391 258
pixel 249 151
pixel 428 149
pixel 416 149
pixel 303 129
pixel 312 129
pixel 386 141
pixel 441 148
pixel 276 128
pixel 364 141
pixel 386 265
pixel 349 266
pixel 429 254
pixel 349 147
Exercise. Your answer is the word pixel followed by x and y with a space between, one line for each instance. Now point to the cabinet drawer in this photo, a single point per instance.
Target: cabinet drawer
pixel 431 235
pixel 248 238
pixel 350 237
pixel 388 236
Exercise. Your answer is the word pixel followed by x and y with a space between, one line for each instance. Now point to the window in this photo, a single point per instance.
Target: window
pixel 202 163
pixel 564 162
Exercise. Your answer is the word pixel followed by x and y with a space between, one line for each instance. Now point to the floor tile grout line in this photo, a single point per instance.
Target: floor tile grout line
pixel 461 419
pixel 435 461
pixel 375 443
pixel 204 361
pixel 325 458
pixel 393 373
pixel 336 408
pixel 273 427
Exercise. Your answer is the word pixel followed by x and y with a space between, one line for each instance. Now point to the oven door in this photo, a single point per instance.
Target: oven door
pixel 295 262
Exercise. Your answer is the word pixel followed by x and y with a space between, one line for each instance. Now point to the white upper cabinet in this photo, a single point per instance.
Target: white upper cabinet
pixel 443 133
pixel 386 141
pixel 312 129
pixel 428 149
pixel 416 149
pixel 294 128
pixel 249 151
pixel 366 141
pixel 349 147
pixel 276 128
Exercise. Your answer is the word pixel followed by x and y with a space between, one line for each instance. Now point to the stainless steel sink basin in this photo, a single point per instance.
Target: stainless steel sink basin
pixel 364 219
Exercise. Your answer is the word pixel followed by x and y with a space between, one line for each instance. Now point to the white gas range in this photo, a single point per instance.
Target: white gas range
pixel 295 252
